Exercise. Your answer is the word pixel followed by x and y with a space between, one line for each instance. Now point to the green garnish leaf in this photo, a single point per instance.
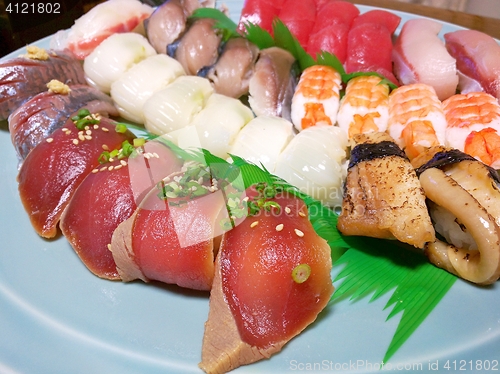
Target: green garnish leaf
pixel 258 36
pixel 284 39
pixel 84 118
pixel 225 24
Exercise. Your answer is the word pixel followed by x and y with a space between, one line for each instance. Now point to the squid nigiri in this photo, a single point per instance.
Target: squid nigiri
pixel 315 162
pixel 176 105
pixel 113 57
pixel 262 140
pixel 103 20
pixel 141 81
pixel 365 106
pixel 469 221
pixel 215 127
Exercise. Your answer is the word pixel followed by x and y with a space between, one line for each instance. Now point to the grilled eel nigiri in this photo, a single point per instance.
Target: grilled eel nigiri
pixel 383 197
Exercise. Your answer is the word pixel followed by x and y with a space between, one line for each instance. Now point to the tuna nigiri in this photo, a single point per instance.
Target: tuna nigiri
pixel 108 196
pixel 54 169
pixel 369 43
pixel 272 279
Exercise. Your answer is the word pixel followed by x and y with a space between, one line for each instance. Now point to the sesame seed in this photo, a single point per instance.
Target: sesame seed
pixel 156 155
pixel 88 132
pixel 64 129
pixel 96 127
pixel 81 137
pixel 288 210
pixel 88 137
pixel 118 167
pixel 302 214
pixel 103 168
pixel 254 223
pixel 75 141
pixel 280 227
pixel 49 140
pixel 105 147
pixel 86 128
pixel 123 162
pixel 109 247
pixel 68 132
pixel 111 168
pixel 105 129
pixel 147 156
pixel 95 171
pixel 298 233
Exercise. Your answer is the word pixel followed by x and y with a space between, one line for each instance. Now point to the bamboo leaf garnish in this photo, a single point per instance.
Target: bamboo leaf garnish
pixel 377 267
pixel 370 266
pixel 258 36
pixel 224 23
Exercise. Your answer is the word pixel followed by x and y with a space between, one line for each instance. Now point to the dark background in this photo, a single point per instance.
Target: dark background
pixel 18 30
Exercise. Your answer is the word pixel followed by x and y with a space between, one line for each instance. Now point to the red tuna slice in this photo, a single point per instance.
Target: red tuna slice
pixel 37 118
pixel 335 12
pixel 171 240
pixel 260 12
pixel 478 58
pixel 383 17
pixel 257 303
pixel 109 196
pixel 22 77
pixel 369 43
pixel 299 16
pixel 55 168
pixel 333 22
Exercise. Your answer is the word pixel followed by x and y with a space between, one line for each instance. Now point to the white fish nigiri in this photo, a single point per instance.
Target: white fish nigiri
pixel 115 56
pixel 140 82
pixel 364 107
pixel 316 97
pixel 176 105
pixel 103 20
pixel 315 162
pixel 215 128
pixel 262 140
pixel 420 56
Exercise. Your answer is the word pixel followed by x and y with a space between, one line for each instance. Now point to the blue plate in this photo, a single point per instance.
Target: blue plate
pixel 56 317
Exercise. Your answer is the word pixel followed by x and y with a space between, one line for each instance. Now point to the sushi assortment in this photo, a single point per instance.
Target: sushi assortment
pixel 385 148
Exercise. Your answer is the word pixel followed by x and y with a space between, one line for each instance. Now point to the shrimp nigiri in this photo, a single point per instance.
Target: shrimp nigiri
pixel 365 106
pixel 316 98
pixel 473 121
pixel 416 119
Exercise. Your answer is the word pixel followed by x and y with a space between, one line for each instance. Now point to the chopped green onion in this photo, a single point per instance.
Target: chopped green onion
pixel 301 273
pixel 121 128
